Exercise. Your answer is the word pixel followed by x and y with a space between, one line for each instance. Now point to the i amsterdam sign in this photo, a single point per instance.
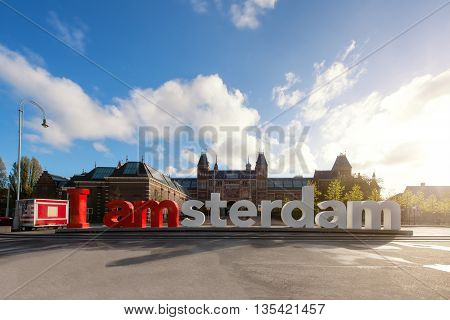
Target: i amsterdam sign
pixel 125 214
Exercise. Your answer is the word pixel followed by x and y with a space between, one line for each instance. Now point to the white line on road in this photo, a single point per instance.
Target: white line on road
pixel 441 267
pixel 423 246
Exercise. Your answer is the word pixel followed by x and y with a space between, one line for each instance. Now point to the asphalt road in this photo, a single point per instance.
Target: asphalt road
pixel 142 268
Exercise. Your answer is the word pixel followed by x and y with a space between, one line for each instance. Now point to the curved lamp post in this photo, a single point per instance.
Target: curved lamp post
pixel 44 124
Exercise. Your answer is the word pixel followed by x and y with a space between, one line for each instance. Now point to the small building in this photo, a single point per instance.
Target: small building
pixel 131 181
pixel 341 169
pixel 440 192
pixel 50 186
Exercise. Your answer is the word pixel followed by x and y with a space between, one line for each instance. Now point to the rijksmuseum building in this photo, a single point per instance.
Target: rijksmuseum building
pixel 133 181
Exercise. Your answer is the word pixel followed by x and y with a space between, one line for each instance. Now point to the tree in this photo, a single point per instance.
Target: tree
pixel 30 172
pixel 3 176
pixel 355 194
pixel 418 200
pixel 375 195
pixel 335 191
pixel 406 199
pixel 431 204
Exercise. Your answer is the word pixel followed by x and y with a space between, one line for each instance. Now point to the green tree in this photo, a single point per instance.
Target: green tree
pixel 406 199
pixel 317 193
pixel 355 194
pixel 431 204
pixel 3 176
pixel 30 172
pixel 418 200
pixel 335 191
pixel 375 195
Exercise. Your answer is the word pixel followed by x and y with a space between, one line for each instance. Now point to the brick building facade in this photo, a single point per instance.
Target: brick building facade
pixel 130 181
pixel 251 184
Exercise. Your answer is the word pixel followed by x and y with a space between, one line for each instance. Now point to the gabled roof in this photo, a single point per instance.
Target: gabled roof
pixel 261 160
pixel 440 192
pixel 128 169
pixel 131 169
pixel 141 169
pixel 59 181
pixel 325 175
pixel 341 163
pixel 203 161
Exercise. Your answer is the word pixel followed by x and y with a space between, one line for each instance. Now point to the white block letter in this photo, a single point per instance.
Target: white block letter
pixel 236 214
pixel 306 206
pixel 390 209
pixel 215 204
pixel 266 211
pixel 198 216
pixel 339 215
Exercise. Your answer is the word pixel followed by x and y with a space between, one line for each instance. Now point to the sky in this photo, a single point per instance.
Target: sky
pixel 104 69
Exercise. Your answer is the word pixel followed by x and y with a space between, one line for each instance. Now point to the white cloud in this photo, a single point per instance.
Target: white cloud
pixel 330 83
pixel 74 36
pixel 199 6
pixel 349 49
pixel 246 14
pixel 33 57
pixel 283 96
pixel 73 115
pixel 403 136
pixel 100 147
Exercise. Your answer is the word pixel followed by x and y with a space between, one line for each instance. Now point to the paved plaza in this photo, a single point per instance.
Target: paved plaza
pixel 120 267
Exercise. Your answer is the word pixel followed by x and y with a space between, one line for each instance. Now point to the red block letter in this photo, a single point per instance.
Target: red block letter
pixel 78 205
pixel 121 214
pixel 156 215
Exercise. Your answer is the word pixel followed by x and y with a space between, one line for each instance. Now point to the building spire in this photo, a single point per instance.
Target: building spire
pixel 248 166
pixel 216 165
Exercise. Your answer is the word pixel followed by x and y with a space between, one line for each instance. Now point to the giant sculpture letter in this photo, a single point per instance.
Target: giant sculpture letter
pixel 156 214
pixel 78 206
pixel 120 214
pixel 306 206
pixel 338 215
pixel 390 209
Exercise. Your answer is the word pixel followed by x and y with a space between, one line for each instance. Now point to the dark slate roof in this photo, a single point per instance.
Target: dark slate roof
pixel 203 161
pixel 287 183
pixel 100 173
pixel 128 169
pixel 273 183
pixel 131 169
pixel 325 175
pixel 96 174
pixel 261 160
pixel 440 192
pixel 341 163
pixel 59 181
pixel 233 174
pixel 141 169
pixel 187 183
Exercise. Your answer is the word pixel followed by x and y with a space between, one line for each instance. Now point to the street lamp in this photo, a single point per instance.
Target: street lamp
pixel 19 151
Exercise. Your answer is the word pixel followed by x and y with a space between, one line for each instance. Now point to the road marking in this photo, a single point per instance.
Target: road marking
pixel 441 267
pixel 423 246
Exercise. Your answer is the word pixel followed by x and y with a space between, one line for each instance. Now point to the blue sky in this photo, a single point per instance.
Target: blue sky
pixel 246 61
